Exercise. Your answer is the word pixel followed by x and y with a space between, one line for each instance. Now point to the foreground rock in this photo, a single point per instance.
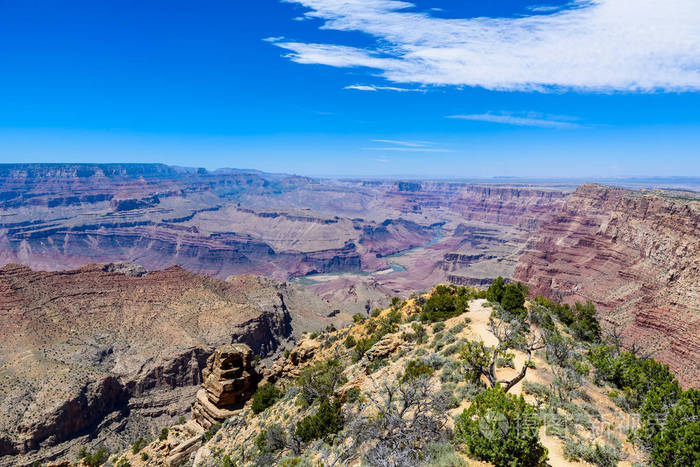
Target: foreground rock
pixel 229 381
pixel 104 355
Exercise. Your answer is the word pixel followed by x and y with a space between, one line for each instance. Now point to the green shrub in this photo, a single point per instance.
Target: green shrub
pixel 475 357
pixel 226 461
pixel 95 459
pixel 350 342
pixel 452 349
pixel 602 456
pixel 585 325
pixel 418 335
pixel 358 318
pixel 513 300
pixel 138 445
pixel 163 434
pixel 375 313
pixel 181 420
pixel 671 425
pixel 495 291
pixel 361 346
pixel 416 369
pixel 445 303
pixel 560 310
pixel 502 429
pixel 144 456
pixel 327 420
pixel 440 340
pixel 633 376
pixel 354 395
pixel 265 396
pixel 505 362
pixel 581 320
pixel 209 434
pixel 438 327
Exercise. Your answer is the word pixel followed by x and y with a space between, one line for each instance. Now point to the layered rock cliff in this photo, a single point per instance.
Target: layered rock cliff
pixel 105 354
pixel 637 256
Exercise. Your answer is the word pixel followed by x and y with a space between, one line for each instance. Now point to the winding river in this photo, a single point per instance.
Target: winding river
pixel 312 279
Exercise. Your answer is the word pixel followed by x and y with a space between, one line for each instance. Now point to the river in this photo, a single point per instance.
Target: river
pixel 311 279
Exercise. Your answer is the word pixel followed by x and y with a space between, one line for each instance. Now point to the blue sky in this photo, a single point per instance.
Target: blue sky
pixel 356 88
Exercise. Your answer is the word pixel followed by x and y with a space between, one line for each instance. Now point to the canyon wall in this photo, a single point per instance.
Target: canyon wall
pixel 105 354
pixel 61 216
pixel 636 255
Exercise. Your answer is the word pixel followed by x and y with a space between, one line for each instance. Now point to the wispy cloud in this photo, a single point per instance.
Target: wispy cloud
pixel 412 144
pixel 541 8
pixel 406 146
pixel 407 149
pixel 593 45
pixel 530 119
pixel 371 87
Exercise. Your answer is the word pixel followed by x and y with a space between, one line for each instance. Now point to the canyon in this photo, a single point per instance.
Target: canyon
pixel 107 353
pixel 119 280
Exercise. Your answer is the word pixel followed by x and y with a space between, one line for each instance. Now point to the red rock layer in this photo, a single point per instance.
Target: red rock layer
pixel 637 256
pixel 516 206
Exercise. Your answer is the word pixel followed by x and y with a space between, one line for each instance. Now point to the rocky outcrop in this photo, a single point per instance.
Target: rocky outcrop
pixel 105 354
pixel 637 256
pixel 229 381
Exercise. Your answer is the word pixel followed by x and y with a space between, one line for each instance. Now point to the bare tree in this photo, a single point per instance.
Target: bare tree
pixel 398 421
pixel 480 359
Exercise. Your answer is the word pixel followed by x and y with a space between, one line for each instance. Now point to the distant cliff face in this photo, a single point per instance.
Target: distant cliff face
pixel 106 353
pixel 61 216
pixel 637 255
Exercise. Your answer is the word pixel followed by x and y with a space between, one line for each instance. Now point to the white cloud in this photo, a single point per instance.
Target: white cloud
pixel 600 45
pixel 372 87
pixel 531 119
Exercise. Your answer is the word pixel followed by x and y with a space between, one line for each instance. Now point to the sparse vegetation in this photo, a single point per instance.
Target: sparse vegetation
pixel 403 394
pixel 320 380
